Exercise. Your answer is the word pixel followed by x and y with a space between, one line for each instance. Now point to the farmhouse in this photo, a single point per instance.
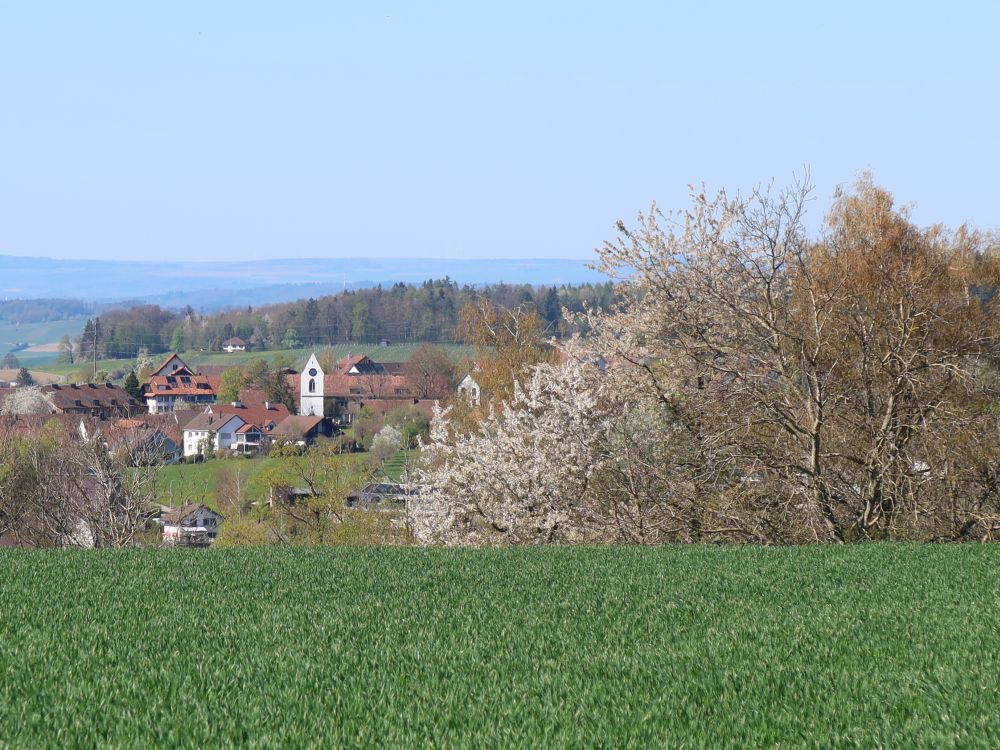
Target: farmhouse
pixel 174 385
pixel 235 344
pixel 190 526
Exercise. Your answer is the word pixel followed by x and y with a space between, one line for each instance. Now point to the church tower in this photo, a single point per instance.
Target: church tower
pixel 311 389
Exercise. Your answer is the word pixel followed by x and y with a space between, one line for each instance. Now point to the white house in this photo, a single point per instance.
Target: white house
pixel 174 385
pixel 235 344
pixel 190 526
pixel 211 432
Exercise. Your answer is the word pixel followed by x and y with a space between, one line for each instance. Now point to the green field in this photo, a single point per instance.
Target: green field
pixel 195 483
pixel 179 484
pixel 863 646
pixel 37 333
pixel 394 353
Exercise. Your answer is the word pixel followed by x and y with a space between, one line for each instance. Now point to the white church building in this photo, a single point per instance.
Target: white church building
pixel 311 383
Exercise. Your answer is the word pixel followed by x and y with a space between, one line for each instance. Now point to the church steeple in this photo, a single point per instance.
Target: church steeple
pixel 311 388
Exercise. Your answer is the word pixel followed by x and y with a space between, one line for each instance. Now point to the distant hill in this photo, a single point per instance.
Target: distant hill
pixel 214 285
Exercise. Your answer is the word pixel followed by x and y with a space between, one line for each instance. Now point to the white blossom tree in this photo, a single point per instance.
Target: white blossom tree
pixel 524 475
pixel 387 441
pixel 26 400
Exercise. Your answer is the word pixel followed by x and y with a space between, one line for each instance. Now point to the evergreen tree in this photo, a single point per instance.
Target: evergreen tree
pixel 24 377
pixel 550 307
pixel 132 385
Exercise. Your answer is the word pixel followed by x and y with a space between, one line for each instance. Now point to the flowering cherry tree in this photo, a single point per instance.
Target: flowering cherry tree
pixel 523 476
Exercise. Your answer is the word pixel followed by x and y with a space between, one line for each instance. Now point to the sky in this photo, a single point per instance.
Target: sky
pixel 228 130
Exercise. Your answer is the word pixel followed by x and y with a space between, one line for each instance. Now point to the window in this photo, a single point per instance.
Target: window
pixel 313 372
pixel 312 385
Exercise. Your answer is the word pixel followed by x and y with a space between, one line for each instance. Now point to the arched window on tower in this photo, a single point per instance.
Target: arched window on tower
pixel 312 385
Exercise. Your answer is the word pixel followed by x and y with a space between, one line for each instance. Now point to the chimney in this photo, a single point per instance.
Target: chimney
pixel 237 404
pixel 267 405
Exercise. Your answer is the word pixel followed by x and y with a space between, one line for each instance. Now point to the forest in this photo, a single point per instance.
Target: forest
pixel 402 313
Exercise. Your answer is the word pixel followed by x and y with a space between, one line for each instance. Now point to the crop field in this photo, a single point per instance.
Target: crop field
pixel 864 646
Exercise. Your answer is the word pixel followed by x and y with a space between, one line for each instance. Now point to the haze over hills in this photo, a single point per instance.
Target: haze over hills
pixel 211 285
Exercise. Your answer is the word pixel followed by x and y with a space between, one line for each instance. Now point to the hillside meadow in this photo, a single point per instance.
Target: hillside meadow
pixel 178 484
pixel 859 646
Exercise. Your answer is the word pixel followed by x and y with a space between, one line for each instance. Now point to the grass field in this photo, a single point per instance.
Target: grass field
pixel 863 646
pixel 195 483
pixel 37 333
pixel 394 353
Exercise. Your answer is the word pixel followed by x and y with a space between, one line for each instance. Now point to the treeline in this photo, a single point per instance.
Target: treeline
pixel 401 313
pixel 45 310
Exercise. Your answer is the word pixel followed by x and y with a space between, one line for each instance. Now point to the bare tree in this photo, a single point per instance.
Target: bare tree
pixel 430 371
pixel 55 491
pixel 811 373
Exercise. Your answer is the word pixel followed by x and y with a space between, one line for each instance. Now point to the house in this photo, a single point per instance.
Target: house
pixel 381 496
pixel 300 429
pixel 190 526
pixel 104 401
pixel 236 427
pixel 235 344
pixel 249 439
pixel 266 415
pixel 143 441
pixel 468 389
pixel 355 380
pixel 211 432
pixel 174 385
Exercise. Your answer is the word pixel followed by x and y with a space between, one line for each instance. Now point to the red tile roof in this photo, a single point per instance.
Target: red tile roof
pixel 180 385
pixel 297 426
pixel 257 415
pixel 110 400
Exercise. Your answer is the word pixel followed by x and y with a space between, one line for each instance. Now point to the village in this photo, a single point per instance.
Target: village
pixel 186 415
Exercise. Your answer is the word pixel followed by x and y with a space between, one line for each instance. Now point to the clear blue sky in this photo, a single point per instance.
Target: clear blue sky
pixel 210 130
